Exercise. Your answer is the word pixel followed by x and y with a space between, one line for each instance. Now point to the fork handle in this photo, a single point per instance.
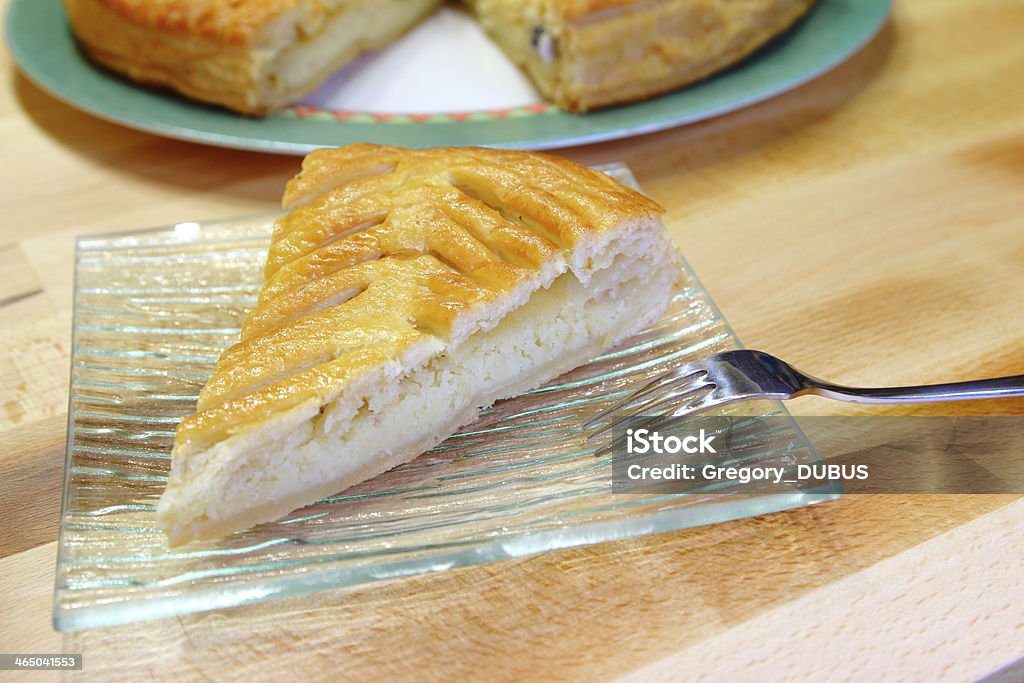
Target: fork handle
pixel 1000 387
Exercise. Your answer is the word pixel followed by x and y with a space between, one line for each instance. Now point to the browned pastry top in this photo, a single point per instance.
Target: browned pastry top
pixel 388 255
pixel 238 21
pixel 229 21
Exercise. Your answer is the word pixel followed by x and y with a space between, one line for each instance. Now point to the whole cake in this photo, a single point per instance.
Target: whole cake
pixel 406 290
pixel 255 56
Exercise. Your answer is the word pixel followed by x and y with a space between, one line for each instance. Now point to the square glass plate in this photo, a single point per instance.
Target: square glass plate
pixel 153 311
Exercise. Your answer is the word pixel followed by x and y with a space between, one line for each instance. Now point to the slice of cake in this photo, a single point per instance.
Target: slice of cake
pixel 405 291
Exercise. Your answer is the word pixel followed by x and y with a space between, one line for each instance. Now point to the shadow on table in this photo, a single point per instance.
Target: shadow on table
pixel 743 132
pixel 187 165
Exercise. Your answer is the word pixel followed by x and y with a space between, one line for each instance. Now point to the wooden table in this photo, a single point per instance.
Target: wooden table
pixel 869 226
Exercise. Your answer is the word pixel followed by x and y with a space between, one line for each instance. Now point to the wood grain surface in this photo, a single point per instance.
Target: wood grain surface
pixel 868 227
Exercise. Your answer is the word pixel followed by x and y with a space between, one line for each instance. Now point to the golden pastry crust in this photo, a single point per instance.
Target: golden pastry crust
pixel 251 56
pixel 588 54
pixel 141 45
pixel 223 21
pixel 406 251
pixel 575 10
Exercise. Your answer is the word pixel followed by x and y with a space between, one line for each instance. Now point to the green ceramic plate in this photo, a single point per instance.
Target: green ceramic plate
pixel 41 43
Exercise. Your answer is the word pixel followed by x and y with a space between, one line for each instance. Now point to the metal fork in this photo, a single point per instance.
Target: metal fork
pixel 745 375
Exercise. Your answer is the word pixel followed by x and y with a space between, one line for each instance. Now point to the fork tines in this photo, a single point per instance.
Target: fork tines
pixel 687 382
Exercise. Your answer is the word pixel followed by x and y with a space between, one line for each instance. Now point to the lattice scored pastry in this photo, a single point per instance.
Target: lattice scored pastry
pixel 254 56
pixel 405 291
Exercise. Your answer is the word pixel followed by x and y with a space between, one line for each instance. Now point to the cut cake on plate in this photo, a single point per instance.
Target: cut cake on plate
pixel 255 56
